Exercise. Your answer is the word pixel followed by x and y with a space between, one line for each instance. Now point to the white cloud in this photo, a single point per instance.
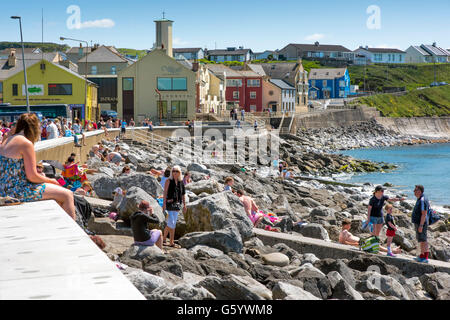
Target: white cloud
pixel 384 45
pixel 179 42
pixel 103 23
pixel 315 37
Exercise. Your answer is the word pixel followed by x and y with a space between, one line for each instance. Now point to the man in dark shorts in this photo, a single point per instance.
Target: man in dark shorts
pixel 419 218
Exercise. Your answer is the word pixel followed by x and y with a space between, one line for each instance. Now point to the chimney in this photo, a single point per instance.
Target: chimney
pixel 195 66
pixel 316 43
pixel 164 36
pixel 367 47
pixel 434 44
pixel 12 59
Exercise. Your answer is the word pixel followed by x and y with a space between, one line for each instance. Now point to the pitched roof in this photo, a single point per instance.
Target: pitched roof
pixel 75 50
pixel 326 73
pixel 222 52
pixel 219 69
pixel 280 70
pixel 258 69
pixel 319 47
pixel 383 50
pixel 421 51
pixel 185 50
pixel 103 54
pixel 19 51
pixel 281 84
pixel 435 50
pixel 249 74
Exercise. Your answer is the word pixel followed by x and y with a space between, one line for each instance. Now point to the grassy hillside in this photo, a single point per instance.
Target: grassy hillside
pixel 133 52
pixel 417 103
pixel 46 46
pixel 410 76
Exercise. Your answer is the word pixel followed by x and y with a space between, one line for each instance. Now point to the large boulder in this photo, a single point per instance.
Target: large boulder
pixel 376 283
pixel 131 201
pixel 437 285
pixel 143 281
pixel 105 185
pixel 143 252
pixel 227 240
pixel 276 259
pixel 234 287
pixel 216 212
pixel 329 265
pixel 198 168
pixel 209 186
pixel 286 291
pixel 343 291
pixel 313 230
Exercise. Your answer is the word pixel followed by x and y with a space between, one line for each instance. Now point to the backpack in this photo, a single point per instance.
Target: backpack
pixel 370 245
pixel 433 216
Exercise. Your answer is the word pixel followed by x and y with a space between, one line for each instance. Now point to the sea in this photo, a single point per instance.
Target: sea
pixel 428 165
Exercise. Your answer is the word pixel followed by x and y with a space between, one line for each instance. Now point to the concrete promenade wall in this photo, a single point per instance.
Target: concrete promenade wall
pixel 429 127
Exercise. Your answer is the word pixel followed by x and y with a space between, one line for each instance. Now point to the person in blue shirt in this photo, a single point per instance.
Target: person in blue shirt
pixel 123 130
pixel 419 218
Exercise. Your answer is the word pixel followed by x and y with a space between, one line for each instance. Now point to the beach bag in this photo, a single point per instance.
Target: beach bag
pixel 370 245
pixel 433 216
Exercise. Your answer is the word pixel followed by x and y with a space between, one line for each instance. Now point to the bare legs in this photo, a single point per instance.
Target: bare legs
pixel 62 196
pixel 159 243
pixel 171 232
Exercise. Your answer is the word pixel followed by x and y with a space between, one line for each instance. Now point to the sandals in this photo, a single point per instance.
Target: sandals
pixel 176 246
pixel 8 201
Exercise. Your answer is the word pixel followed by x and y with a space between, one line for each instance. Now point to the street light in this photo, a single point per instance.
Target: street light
pixel 23 61
pixel 86 68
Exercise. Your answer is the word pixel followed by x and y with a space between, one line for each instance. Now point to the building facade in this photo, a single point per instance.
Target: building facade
pixel 211 92
pixel 427 54
pixel 315 51
pixel 157 85
pixel 230 54
pixel 189 53
pixel 288 96
pixel 380 55
pixel 329 83
pixel 49 83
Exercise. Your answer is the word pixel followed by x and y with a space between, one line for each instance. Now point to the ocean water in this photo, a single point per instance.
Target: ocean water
pixel 428 165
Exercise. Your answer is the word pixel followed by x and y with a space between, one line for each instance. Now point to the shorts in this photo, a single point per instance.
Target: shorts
pixel 116 159
pixel 254 217
pixel 172 219
pixel 422 237
pixel 376 220
pixel 390 233
pixel 154 237
pixel 123 130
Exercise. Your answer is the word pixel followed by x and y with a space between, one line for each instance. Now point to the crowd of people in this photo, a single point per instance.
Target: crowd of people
pixel 22 179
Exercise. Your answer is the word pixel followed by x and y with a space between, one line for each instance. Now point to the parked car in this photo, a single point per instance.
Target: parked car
pixel 435 84
pixel 106 114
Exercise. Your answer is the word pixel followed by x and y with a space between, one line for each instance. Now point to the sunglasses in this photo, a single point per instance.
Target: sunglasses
pixel 176 172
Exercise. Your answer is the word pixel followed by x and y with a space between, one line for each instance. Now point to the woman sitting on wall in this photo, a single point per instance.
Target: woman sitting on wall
pixel 18 176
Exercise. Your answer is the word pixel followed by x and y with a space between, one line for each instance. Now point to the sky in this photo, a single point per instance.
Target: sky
pixel 258 25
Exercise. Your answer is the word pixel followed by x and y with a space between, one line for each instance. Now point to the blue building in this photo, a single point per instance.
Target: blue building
pixel 329 83
pixel 266 54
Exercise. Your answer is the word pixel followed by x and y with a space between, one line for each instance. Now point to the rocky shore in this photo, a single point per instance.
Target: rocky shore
pixel 222 259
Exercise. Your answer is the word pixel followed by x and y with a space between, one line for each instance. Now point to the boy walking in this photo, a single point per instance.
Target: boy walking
pixel 392 228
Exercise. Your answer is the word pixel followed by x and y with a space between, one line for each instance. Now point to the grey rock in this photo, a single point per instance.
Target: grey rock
pixel 310 258
pixel 212 252
pixel 322 212
pixel 145 282
pixel 216 212
pixel 334 278
pixel 311 203
pixel 198 168
pixel 276 259
pixel 131 201
pixel 181 292
pixel 210 186
pixel 141 253
pixel 234 287
pixel 437 285
pixel 340 266
pixel 376 283
pixel 343 291
pixel 286 291
pixel 227 240
pixel 313 230
pixel 108 171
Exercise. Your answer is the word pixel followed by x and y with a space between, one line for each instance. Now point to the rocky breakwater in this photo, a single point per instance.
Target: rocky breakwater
pixel 221 259
pixel 368 134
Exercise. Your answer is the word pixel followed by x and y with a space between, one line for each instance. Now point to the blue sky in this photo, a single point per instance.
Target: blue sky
pixel 258 25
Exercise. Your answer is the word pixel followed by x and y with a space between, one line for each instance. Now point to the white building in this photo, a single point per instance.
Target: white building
pixel 427 54
pixel 380 55
pixel 288 94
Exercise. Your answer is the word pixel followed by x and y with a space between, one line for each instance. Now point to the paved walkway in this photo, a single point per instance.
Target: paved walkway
pixel 44 254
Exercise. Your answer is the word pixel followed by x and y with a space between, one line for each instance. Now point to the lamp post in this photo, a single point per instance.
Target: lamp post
pixel 85 70
pixel 23 61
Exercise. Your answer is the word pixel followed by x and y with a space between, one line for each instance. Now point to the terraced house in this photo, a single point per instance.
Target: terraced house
pixel 295 51
pixel 329 83
pixel 380 55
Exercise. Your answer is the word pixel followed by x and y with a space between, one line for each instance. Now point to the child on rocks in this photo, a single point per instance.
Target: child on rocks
pixel 392 228
pixel 229 181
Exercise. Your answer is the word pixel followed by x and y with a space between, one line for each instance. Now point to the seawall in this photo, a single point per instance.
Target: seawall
pixel 428 127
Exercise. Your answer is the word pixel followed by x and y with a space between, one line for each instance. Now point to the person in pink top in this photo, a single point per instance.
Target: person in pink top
pixel 250 208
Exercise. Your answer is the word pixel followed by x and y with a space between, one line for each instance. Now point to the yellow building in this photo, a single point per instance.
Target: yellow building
pixel 49 83
pixel 157 76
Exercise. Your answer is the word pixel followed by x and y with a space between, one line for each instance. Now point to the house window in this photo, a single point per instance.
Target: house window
pixel 313 94
pixel 234 83
pixel 179 109
pixel 341 94
pixel 113 70
pixel 172 84
pixel 252 95
pixel 342 83
pixel 313 83
pixel 252 108
pixel 127 84
pixel 253 83
pixel 235 94
pixel 55 89
pixel 15 89
pixel 94 70
pixel 324 83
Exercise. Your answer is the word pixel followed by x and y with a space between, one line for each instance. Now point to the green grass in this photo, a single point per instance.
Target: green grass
pixel 418 103
pixel 133 52
pixel 46 46
pixel 410 76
